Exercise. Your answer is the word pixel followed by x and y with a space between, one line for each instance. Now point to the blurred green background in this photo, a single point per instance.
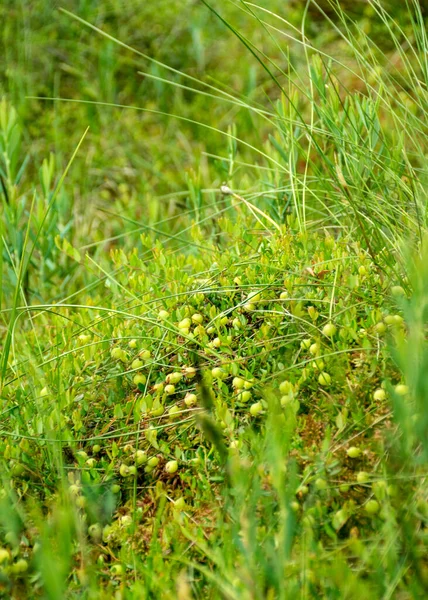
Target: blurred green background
pixel 45 52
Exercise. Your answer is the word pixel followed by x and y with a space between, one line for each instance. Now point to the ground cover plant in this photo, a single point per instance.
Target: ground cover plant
pixel 214 300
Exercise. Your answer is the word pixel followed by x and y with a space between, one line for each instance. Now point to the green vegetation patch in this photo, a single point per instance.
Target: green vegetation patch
pixel 205 387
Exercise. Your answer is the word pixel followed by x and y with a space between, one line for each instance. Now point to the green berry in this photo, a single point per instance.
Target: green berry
pixel 125 520
pixel 380 328
pixel 21 566
pixel 116 353
pixel 124 470
pixel 185 324
pixel 174 378
pixel 116 570
pixel 169 389
pixel 18 469
pixel 329 330
pixel 95 531
pixel 4 555
pixel 157 412
pixel 218 373
pixel 254 297
pixel 153 462
pixel 256 409
pixel 286 388
pixel 314 349
pixel 190 400
pixel 397 290
pixel 80 501
pixel 353 452
pixel 180 503
pixel 379 394
pixel 236 323
pixel 372 507
pixel 139 379
pixel 324 379
pixel 244 396
pixel 401 389
pixel 379 488
pixel 190 372
pixel 74 490
pixel 362 477
pixel 238 383
pixel 318 364
pixel 321 484
pixel 171 466
pixel 140 457
pixel 174 412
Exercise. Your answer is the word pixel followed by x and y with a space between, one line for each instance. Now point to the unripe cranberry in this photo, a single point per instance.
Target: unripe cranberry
pixel 171 467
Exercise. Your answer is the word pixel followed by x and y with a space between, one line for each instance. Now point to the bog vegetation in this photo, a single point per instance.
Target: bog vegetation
pixel 213 299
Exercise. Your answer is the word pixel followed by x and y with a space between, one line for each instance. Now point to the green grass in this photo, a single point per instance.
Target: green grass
pixel 213 300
